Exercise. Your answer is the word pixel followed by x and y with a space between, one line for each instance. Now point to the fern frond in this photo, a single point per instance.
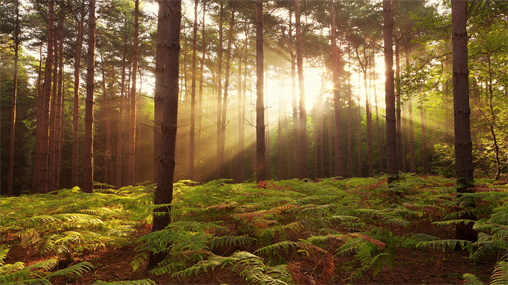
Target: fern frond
pixel 76 270
pixel 398 222
pixel 4 250
pixel 470 279
pixel 452 222
pixel 229 240
pixel 443 244
pixel 500 274
pixel 276 247
pixel 212 262
pixel 129 282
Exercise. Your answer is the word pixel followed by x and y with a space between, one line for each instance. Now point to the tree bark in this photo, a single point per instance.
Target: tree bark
pixel 164 190
pixel 52 113
pixel 193 94
pixel 339 152
pixel 423 116
pixel 132 106
pixel 302 156
pixel 399 104
pixel 260 106
pixel 14 97
pixel 75 121
pixel 43 166
pixel 59 105
pixel 200 100
pixel 90 71
pixel 391 130
pixel 220 150
pixel 463 145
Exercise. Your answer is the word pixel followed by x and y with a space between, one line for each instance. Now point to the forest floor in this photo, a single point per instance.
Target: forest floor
pixel 310 265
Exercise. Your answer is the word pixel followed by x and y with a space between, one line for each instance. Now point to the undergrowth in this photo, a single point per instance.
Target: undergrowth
pixel 285 232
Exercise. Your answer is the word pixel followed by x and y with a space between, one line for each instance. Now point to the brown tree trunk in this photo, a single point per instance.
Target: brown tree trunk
pixel 52 113
pixel 369 118
pixel 38 130
pixel 193 94
pixel 350 124
pixel 399 106
pixel 132 106
pixel 378 130
pixel 463 145
pixel 43 166
pixel 14 97
pixel 339 153
pixel 164 190
pixel 88 145
pixel 302 155
pixel 119 148
pixel 391 129
pixel 160 60
pixel 75 121
pixel 260 103
pixel 200 100
pixel 220 150
pixel 412 163
pixel 59 105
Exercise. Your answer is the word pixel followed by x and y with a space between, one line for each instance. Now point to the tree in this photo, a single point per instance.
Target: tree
pixel 339 154
pixel 302 165
pixel 193 93
pixel 463 144
pixel 14 97
pixel 260 105
pixel 164 190
pixel 90 72
pixel 391 130
pixel 132 106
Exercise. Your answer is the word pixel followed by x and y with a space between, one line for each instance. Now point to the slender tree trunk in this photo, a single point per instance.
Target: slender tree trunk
pixel 463 145
pixel 43 166
pixel 38 130
pixel 75 122
pixel 52 114
pixel 241 102
pixel 400 145
pixel 368 119
pixel 193 94
pixel 88 146
pixel 391 129
pixel 260 106
pixel 14 97
pixel 119 148
pixel 350 124
pixel 59 105
pixel 339 152
pixel 359 166
pixel 220 150
pixel 302 156
pixel 378 130
pixel 164 190
pixel 200 100
pixel 132 106
pixel 267 129
pixel 296 124
pixel 412 163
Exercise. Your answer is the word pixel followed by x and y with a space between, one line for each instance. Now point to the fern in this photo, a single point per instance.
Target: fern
pixel 74 270
pixel 229 240
pixel 500 274
pixel 274 249
pixel 443 244
pixel 130 282
pixel 470 279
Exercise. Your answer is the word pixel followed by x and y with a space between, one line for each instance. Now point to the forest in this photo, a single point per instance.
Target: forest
pixel 254 141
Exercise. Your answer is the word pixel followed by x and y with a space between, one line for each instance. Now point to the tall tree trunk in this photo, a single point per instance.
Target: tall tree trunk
pixel 164 190
pixel 391 129
pixel 260 103
pixel 43 166
pixel 339 152
pixel 267 129
pixel 59 105
pixel 296 124
pixel 160 60
pixel 107 157
pixel 350 123
pixel 241 114
pixel 90 70
pixel 369 118
pixel 378 130
pixel 132 106
pixel 463 145
pixel 412 162
pixel 302 156
pixel 400 145
pixel 200 100
pixel 52 114
pixel 38 130
pixel 193 94
pixel 75 121
pixel 359 135
pixel 14 97
pixel 119 148
pixel 220 150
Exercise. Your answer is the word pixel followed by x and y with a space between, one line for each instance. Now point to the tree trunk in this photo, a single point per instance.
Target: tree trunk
pixel 463 145
pixel 88 146
pixel 369 118
pixel 52 113
pixel 302 156
pixel 399 106
pixel 43 166
pixel 260 103
pixel 391 129
pixel 75 121
pixel 412 163
pixel 350 124
pixel 164 190
pixel 200 100
pixel 132 106
pixel 339 153
pixel 14 97
pixel 423 116
pixel 59 105
pixel 220 150
pixel 38 130
pixel 193 95
pixel 378 130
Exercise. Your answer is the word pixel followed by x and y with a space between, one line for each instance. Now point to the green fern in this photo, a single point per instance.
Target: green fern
pixel 443 244
pixel 275 248
pixel 229 240
pixel 130 282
